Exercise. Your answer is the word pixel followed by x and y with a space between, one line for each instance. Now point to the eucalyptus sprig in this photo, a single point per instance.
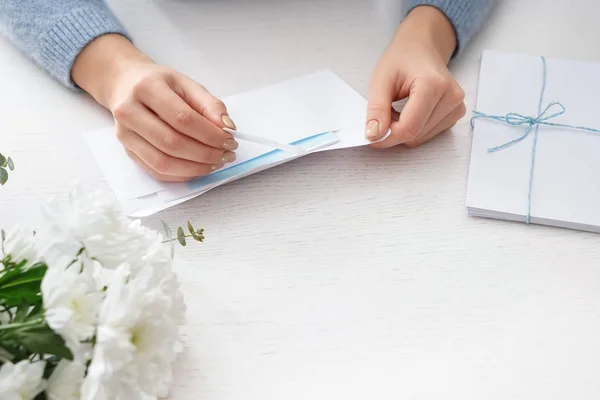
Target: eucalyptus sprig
pixel 5 163
pixel 195 234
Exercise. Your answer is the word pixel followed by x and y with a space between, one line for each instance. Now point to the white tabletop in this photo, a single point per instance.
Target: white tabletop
pixel 353 274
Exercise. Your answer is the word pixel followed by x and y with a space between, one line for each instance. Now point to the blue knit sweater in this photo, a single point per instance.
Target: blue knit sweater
pixel 53 32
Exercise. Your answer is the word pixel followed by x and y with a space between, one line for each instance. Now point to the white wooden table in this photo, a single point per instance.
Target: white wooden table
pixel 347 275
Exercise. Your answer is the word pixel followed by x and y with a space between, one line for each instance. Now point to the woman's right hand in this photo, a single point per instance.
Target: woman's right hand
pixel 168 123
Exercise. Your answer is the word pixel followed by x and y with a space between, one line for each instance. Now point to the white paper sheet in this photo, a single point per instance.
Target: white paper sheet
pixel 285 112
pixel 566 176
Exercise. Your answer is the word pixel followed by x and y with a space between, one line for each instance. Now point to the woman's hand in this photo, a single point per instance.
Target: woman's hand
pixel 414 66
pixel 169 124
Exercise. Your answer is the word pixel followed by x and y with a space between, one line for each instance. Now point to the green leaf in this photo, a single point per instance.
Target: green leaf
pixel 19 286
pixel 11 164
pixel 5 355
pixel 198 235
pixel 18 276
pixel 181 236
pixel 190 227
pixel 43 340
pixel 36 310
pixel 22 312
pixel 14 349
pixel 3 176
pixel 17 296
pixel 2 160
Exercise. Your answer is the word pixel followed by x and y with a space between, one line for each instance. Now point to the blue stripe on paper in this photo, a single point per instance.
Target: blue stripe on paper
pixel 265 159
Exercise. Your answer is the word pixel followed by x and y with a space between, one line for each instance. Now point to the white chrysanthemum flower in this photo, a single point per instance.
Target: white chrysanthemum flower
pixel 111 279
pixel 71 304
pixel 21 381
pixel 20 246
pixel 82 216
pixel 161 276
pixel 94 220
pixel 65 382
pixel 136 339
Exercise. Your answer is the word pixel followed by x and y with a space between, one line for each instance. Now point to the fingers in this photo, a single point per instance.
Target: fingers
pixel 382 92
pixel 446 123
pixel 451 99
pixel 159 134
pixel 203 102
pixel 153 173
pixel 157 95
pixel 159 162
pixel 160 123
pixel 431 97
pixel 425 93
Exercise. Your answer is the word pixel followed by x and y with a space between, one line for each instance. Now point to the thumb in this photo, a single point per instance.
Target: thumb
pixel 379 109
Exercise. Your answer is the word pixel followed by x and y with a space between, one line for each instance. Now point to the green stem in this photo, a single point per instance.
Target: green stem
pixel 173 240
pixel 20 325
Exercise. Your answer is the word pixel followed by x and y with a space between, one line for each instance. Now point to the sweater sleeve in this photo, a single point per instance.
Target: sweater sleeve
pixel 54 32
pixel 466 16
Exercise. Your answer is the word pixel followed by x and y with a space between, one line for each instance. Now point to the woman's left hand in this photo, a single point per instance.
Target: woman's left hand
pixel 414 66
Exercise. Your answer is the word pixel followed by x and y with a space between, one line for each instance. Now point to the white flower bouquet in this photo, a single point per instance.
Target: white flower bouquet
pixel 93 315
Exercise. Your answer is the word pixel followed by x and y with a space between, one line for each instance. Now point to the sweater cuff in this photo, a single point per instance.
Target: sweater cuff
pixel 464 16
pixel 61 45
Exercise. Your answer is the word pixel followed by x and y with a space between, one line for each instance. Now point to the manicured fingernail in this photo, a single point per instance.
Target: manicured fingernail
pixel 227 121
pixel 230 144
pixel 216 167
pixel 372 131
pixel 228 157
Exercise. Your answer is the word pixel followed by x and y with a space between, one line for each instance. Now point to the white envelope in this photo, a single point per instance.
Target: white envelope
pixel 565 185
pixel 319 110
